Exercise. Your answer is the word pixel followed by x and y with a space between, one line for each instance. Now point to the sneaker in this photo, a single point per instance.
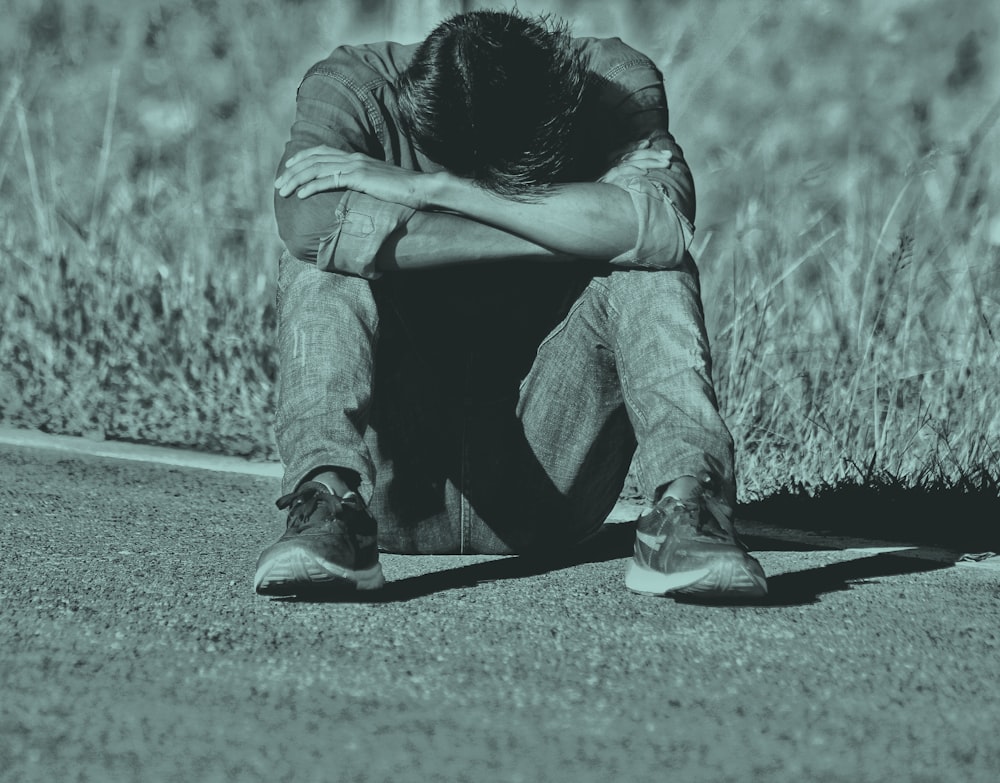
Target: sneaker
pixel 329 544
pixel 687 547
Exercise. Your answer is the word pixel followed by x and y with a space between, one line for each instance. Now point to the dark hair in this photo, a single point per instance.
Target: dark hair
pixel 493 96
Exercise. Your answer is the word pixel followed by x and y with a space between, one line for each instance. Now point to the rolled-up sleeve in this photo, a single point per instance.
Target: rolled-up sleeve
pixel 663 197
pixel 339 231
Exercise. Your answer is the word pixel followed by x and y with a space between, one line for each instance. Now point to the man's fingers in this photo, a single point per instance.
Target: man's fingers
pixel 320 184
pixel 651 158
pixel 640 162
pixel 290 181
pixel 304 164
pixel 311 152
pixel 322 152
pixel 309 163
pixel 628 170
pixel 651 154
pixel 316 172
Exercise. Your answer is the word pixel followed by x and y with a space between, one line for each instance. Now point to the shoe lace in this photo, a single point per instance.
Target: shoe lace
pixel 702 519
pixel 303 504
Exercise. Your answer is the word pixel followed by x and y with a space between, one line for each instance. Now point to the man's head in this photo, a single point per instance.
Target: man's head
pixel 493 96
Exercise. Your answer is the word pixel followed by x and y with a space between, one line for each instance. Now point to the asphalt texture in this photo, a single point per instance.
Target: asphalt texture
pixel 134 648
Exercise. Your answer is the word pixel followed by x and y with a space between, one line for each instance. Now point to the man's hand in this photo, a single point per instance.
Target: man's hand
pixel 640 161
pixel 322 168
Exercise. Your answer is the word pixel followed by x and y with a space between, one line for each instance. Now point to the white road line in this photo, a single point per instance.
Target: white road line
pixel 138 452
pixel 877 550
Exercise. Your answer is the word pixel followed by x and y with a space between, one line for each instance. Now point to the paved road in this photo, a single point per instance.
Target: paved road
pixel 133 648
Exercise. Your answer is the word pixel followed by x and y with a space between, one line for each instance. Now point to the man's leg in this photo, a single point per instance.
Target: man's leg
pixel 327 332
pixel 633 355
pixel 665 367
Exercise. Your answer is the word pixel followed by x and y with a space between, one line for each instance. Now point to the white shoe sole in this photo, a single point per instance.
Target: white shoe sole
pixel 293 569
pixel 726 579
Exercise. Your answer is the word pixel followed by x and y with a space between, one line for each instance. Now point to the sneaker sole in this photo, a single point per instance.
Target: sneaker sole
pixel 293 570
pixel 725 580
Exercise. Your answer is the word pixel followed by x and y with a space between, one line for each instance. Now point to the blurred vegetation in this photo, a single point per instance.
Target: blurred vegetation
pixel 849 227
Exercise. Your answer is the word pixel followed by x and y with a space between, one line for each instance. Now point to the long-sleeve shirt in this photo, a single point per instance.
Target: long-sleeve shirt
pixel 347 101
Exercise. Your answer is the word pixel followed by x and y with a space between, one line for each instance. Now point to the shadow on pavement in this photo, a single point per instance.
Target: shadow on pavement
pixel 798 588
pixel 805 587
pixel 615 542
pixel 612 542
pixel 959 518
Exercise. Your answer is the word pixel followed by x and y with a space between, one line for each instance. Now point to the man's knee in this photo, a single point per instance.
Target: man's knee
pixel 302 285
pixel 653 286
pixel 648 300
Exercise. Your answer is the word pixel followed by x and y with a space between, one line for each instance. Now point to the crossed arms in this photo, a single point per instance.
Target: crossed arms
pixel 351 212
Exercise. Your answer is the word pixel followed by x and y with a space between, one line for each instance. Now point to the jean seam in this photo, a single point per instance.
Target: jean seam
pixel 627 394
pixel 559 328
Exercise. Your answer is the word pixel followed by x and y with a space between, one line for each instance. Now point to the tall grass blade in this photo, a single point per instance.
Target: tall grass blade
pixel 100 179
pixel 41 216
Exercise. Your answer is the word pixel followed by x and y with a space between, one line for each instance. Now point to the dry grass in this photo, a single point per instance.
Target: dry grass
pixel 849 227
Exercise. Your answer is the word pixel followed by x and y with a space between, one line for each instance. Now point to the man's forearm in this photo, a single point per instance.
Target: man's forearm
pixel 596 221
pixel 593 220
pixel 584 220
pixel 436 239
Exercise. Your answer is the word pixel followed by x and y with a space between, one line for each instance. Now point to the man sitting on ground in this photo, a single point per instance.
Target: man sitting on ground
pixel 487 308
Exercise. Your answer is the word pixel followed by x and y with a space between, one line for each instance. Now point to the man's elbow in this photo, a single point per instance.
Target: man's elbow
pixel 297 229
pixel 667 255
pixel 665 232
pixel 672 239
pixel 302 245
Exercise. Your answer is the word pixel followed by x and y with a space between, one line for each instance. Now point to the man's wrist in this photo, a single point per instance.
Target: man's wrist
pixel 449 193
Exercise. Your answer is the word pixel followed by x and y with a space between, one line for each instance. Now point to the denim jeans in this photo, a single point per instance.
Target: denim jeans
pixel 495 408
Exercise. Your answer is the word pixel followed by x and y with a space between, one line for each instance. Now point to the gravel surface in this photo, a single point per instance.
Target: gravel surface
pixel 133 648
